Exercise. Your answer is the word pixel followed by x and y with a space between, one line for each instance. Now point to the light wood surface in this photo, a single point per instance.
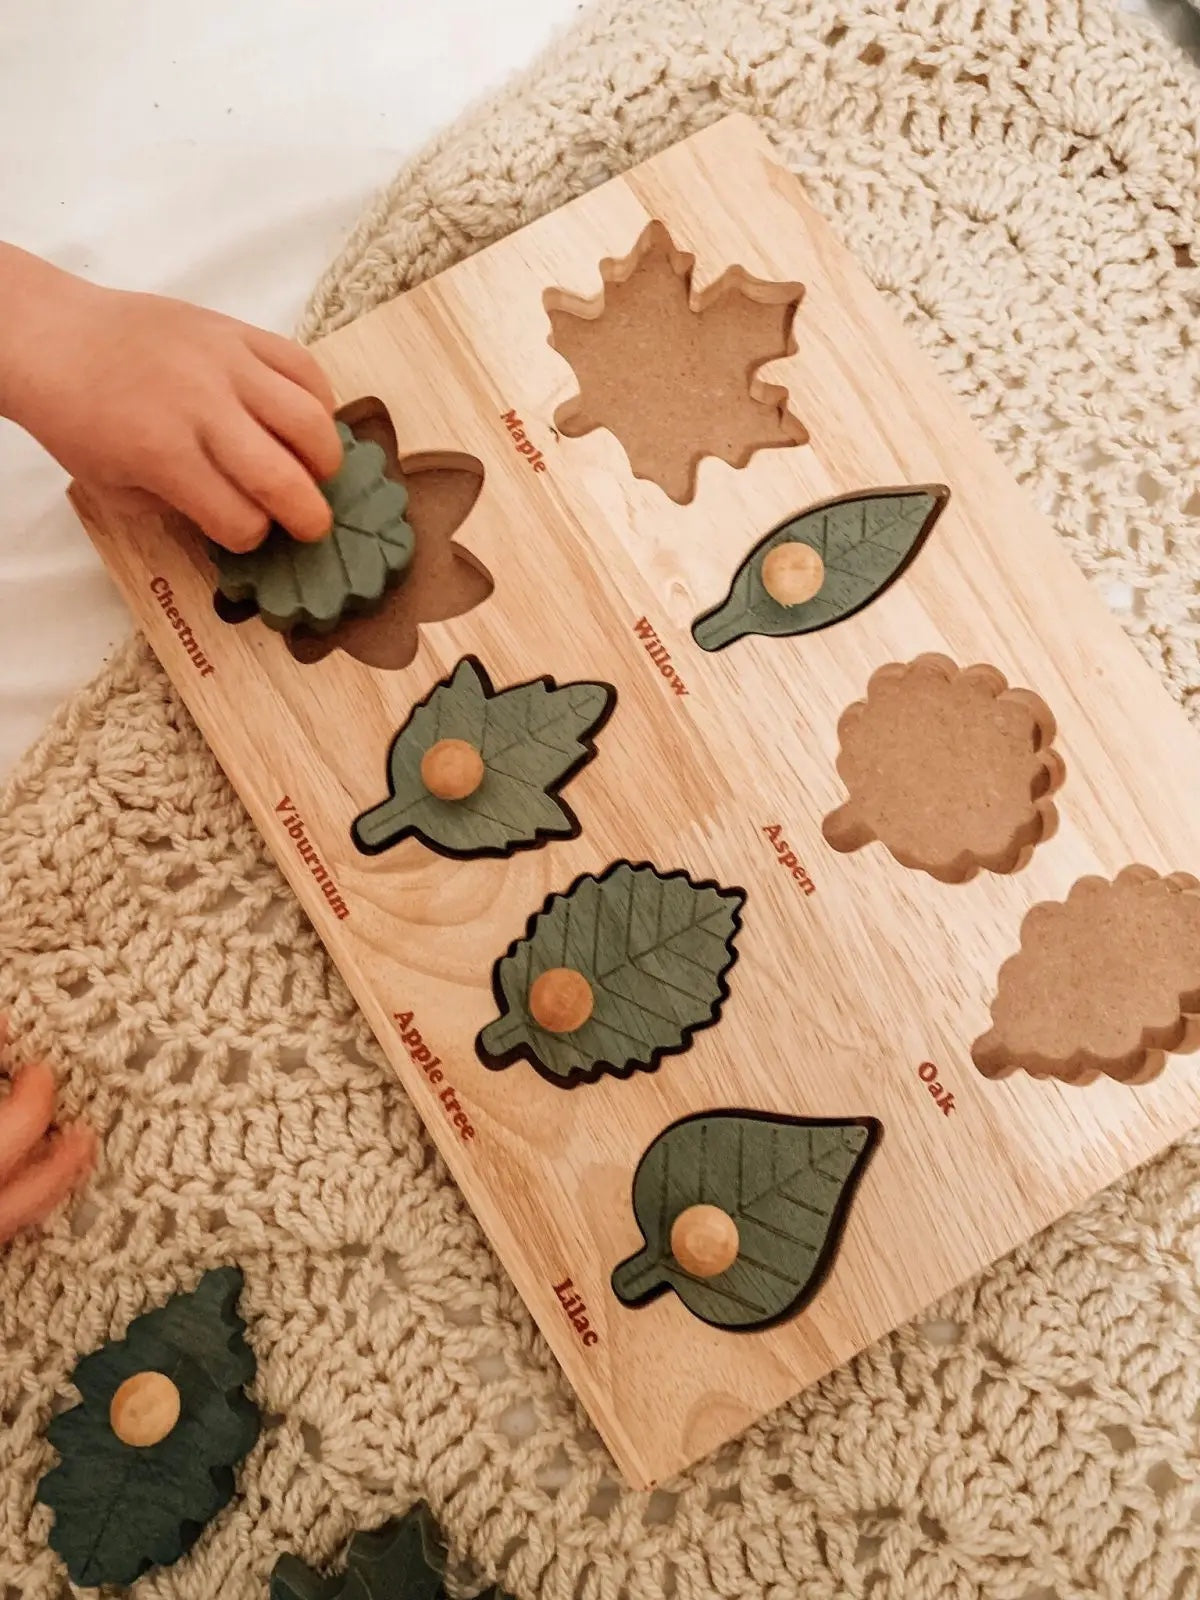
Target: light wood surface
pixel 843 999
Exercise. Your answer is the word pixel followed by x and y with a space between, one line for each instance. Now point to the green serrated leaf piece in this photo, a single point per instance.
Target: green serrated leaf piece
pixel 865 542
pixel 654 948
pixel 121 1509
pixel 787 1182
pixel 405 1559
pixel 533 738
pixel 315 584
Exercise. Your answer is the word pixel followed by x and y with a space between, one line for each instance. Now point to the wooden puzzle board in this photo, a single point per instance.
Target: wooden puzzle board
pixel 838 996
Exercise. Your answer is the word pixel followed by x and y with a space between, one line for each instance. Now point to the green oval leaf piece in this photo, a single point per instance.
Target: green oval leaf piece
pixel 786 1181
pixel 533 738
pixel 654 947
pixel 316 583
pixel 865 542
pixel 119 1509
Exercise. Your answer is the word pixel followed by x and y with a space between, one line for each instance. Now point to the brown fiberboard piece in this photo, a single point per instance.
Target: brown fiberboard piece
pixel 859 984
pixel 672 373
pixel 1105 982
pixel 951 769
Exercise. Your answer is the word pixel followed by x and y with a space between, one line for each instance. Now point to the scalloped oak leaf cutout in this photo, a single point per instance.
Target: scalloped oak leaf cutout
pixel 671 373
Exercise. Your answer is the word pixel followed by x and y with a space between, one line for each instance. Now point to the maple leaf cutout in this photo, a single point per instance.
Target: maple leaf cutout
pixel 670 374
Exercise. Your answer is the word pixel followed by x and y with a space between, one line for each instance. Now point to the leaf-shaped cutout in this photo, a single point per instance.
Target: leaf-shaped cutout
pixel 532 738
pixel 787 1182
pixel 121 1509
pixel 674 373
pixel 315 583
pixel 405 1559
pixel 864 541
pixel 1105 981
pixel 654 949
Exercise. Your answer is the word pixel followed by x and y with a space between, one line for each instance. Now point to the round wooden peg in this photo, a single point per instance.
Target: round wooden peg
pixel 704 1241
pixel 561 1000
pixel 792 573
pixel 144 1409
pixel 451 769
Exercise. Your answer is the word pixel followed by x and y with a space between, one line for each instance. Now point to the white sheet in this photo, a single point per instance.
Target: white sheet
pixel 217 152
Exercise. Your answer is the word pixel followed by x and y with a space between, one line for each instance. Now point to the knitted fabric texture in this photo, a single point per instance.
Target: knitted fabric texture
pixel 1021 181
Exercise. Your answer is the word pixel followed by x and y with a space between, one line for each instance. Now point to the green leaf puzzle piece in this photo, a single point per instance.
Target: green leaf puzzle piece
pixel 654 947
pixel 405 1559
pixel 315 583
pixel 865 542
pixel 121 1509
pixel 533 738
pixel 787 1182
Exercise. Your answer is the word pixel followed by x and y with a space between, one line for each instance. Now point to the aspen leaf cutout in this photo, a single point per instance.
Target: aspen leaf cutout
pixel 477 771
pixel 405 1559
pixel 174 1386
pixel 783 1186
pixel 950 769
pixel 1106 981
pixel 824 565
pixel 315 584
pixel 614 974
pixel 672 372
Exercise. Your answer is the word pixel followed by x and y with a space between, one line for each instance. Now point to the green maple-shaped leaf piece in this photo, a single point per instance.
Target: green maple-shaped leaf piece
pixel 532 738
pixel 865 542
pixel 119 1509
pixel 654 948
pixel 316 583
pixel 403 1560
pixel 787 1182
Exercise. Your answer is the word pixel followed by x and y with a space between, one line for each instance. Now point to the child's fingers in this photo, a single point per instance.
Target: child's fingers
pixel 57 1168
pixel 24 1116
pixel 294 362
pixel 188 480
pixel 293 415
pixel 269 474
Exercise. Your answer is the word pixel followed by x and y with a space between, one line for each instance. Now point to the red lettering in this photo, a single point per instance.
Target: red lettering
pixel 927 1072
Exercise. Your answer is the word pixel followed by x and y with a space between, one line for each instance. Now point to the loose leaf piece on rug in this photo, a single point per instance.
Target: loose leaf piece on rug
pixel 315 583
pixel 785 1184
pixel 477 772
pixel 148 1457
pixel 672 374
pixel 614 974
pixel 824 565
pixel 403 1560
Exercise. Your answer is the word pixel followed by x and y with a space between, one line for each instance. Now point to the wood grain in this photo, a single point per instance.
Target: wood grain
pixel 840 996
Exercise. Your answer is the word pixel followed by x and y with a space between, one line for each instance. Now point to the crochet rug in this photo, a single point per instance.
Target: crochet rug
pixel 1021 180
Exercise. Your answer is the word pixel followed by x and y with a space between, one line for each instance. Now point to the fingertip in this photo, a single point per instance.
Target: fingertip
pixel 242 533
pixel 312 522
pixel 77 1145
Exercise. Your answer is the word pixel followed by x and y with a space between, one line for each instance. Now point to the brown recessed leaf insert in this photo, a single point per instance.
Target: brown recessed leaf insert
pixel 442 581
pixel 950 769
pixel 672 373
pixel 1106 981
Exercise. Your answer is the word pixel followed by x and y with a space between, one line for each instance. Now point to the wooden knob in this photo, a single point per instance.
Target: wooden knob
pixel 704 1240
pixel 561 1000
pixel 451 769
pixel 792 573
pixel 144 1409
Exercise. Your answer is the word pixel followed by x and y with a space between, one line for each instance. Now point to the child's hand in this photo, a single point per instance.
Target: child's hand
pixel 38 1168
pixel 159 401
